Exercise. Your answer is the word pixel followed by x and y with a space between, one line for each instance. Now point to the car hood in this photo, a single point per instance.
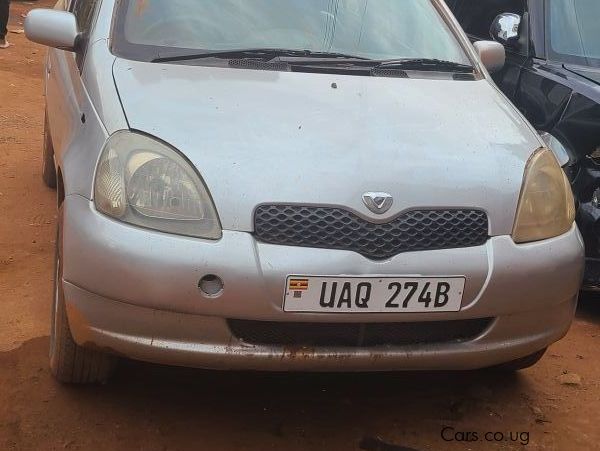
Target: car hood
pixel 261 137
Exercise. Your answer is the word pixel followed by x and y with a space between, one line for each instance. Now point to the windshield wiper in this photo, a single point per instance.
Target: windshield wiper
pixel 425 64
pixel 310 57
pixel 266 54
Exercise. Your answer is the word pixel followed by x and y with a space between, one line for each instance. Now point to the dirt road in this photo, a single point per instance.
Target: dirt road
pixel 160 408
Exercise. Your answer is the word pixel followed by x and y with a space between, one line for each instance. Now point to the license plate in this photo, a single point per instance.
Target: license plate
pixel 349 294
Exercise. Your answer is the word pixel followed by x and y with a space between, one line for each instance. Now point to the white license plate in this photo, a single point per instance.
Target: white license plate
pixel 349 294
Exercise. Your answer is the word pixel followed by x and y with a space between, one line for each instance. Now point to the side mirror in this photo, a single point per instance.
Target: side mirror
pixel 505 28
pixel 53 28
pixel 492 55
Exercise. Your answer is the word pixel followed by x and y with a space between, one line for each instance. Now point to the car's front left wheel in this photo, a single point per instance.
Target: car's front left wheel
pixel 48 168
pixel 69 362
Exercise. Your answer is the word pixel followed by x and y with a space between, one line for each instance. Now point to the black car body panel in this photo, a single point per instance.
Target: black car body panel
pixel 556 95
pixel 591 74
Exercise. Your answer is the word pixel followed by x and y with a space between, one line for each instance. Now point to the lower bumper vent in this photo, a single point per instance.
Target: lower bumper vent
pixel 356 334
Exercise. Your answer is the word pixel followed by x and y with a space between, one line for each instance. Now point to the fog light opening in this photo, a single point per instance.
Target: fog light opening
pixel 211 286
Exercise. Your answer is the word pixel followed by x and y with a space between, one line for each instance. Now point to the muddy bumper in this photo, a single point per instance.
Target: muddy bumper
pixel 135 292
pixel 207 342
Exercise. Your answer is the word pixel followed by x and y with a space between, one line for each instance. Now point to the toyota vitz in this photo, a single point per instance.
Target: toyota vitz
pixel 284 185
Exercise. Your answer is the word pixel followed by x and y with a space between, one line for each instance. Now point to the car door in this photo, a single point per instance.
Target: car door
pixel 65 92
pixel 476 18
pixel 543 91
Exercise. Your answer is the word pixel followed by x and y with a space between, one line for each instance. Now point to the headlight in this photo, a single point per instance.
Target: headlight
pixel 546 206
pixel 143 182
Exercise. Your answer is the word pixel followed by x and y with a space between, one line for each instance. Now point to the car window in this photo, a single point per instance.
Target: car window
pixel 62 5
pixel 574 31
pixel 476 16
pixel 84 11
pixel 379 29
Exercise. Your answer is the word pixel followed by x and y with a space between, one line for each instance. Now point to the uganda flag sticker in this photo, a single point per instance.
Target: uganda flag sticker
pixel 298 286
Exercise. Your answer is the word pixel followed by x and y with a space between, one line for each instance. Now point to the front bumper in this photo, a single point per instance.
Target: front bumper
pixel 135 292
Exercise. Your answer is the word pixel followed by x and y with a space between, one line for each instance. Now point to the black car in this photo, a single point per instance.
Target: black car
pixel 552 74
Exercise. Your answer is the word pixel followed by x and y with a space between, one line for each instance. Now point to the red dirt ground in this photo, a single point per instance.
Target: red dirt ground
pixel 159 408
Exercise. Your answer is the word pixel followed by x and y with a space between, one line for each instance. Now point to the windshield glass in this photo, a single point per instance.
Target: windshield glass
pixel 376 29
pixel 574 31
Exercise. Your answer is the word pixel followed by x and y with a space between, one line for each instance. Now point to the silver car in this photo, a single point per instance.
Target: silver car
pixel 286 185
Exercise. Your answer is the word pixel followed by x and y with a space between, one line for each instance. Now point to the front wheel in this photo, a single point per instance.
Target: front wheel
pixel 69 362
pixel 48 168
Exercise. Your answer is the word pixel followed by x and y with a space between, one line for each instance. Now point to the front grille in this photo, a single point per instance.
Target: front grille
pixel 335 228
pixel 356 334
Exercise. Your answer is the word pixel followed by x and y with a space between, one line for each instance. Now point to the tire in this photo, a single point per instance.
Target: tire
pixel 69 362
pixel 523 362
pixel 48 168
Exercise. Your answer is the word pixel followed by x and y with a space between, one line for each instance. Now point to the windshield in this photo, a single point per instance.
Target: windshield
pixel 574 31
pixel 375 29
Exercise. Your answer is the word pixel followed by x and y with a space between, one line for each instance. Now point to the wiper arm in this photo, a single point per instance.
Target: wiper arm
pixel 425 64
pixel 228 54
pixel 310 57
pixel 264 53
pixel 302 56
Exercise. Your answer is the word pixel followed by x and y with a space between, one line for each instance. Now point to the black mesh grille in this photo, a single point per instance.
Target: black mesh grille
pixel 394 73
pixel 356 335
pixel 258 65
pixel 464 77
pixel 335 228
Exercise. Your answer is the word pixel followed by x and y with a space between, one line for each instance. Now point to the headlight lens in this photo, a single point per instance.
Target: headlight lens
pixel 144 182
pixel 546 207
